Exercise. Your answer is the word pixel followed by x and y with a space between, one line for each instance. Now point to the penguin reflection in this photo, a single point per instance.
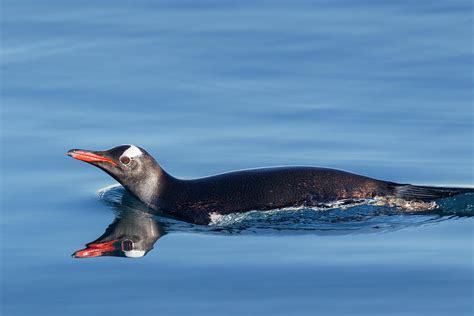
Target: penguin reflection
pixel 132 234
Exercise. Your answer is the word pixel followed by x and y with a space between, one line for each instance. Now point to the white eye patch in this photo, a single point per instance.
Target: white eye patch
pixel 132 151
pixel 134 253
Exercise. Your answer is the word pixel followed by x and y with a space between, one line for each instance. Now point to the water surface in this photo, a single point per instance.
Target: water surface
pixel 377 88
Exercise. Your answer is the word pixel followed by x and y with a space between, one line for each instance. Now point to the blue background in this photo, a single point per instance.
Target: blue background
pixel 378 88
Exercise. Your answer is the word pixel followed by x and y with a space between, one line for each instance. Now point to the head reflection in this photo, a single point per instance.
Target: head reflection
pixel 132 235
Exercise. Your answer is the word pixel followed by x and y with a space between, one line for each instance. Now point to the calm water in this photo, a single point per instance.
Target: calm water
pixel 375 88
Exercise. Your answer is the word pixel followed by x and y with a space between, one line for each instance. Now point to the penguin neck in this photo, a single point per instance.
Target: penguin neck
pixel 151 187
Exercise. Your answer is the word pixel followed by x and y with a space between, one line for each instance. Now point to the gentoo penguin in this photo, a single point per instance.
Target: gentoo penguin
pixel 132 234
pixel 197 200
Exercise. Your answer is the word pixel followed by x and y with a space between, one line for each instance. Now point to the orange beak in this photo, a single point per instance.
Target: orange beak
pixel 88 156
pixel 95 250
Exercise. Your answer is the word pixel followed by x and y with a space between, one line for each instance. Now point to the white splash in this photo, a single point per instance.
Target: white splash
pixel 215 218
pixel 132 151
pixel 405 204
pixel 228 219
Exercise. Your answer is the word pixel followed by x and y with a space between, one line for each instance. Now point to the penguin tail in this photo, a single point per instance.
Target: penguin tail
pixel 427 193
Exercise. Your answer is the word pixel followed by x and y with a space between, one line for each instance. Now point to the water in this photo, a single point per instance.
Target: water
pixel 381 89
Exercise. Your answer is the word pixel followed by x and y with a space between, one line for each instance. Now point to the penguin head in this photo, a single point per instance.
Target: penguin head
pixel 132 166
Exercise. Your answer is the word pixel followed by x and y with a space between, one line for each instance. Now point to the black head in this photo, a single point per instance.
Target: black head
pixel 130 165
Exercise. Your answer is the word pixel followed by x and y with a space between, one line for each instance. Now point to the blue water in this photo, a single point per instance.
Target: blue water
pixel 377 88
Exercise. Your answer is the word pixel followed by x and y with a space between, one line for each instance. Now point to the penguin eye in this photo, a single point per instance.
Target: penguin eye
pixel 127 245
pixel 125 160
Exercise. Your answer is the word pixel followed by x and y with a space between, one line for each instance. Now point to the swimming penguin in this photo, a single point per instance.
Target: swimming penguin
pixel 197 200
